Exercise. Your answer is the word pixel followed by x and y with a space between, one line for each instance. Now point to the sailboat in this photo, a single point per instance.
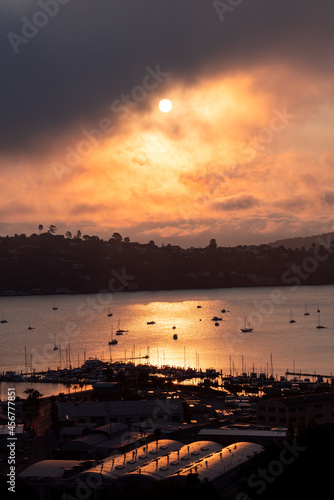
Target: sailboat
pixel 291 320
pixel 112 341
pixel 306 313
pixel 246 329
pixel 31 327
pixel 319 324
pixel 119 331
pixel 55 347
pixel 109 313
pixel 3 319
pixel 318 310
pixel 55 308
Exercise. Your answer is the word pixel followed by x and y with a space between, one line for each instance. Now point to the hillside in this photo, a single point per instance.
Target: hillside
pixel 306 241
pixel 49 263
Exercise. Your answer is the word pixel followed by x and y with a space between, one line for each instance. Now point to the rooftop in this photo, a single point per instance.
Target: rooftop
pixel 219 463
pixel 119 465
pixel 225 431
pixel 50 468
pixel 164 466
pixel 307 399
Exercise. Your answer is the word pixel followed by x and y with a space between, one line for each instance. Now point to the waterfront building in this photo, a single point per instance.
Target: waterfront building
pixel 125 412
pixel 281 411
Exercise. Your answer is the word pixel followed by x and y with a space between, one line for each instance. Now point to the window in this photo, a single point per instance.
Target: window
pixel 272 409
pixel 281 410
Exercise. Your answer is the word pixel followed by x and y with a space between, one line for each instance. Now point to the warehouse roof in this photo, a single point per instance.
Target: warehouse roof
pixel 111 428
pixel 118 465
pixel 164 466
pixel 226 432
pixel 50 468
pixel 221 462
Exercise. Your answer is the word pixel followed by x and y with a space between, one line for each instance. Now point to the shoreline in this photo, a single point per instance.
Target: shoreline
pixel 125 291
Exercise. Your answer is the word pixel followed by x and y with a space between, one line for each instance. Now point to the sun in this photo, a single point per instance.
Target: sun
pixel 165 105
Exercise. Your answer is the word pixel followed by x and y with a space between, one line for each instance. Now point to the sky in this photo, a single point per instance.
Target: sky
pixel 245 156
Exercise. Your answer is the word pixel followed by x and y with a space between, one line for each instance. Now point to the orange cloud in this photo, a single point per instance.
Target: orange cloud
pixel 240 154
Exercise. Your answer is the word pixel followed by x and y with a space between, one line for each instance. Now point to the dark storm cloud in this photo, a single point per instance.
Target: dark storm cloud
pixel 91 52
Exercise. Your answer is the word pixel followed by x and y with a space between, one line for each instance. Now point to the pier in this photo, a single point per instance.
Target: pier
pixel 315 375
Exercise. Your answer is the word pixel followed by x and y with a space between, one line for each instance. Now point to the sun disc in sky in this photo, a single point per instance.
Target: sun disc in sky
pixel 165 105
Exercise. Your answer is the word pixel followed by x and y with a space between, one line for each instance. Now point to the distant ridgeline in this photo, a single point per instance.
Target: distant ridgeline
pixel 48 263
